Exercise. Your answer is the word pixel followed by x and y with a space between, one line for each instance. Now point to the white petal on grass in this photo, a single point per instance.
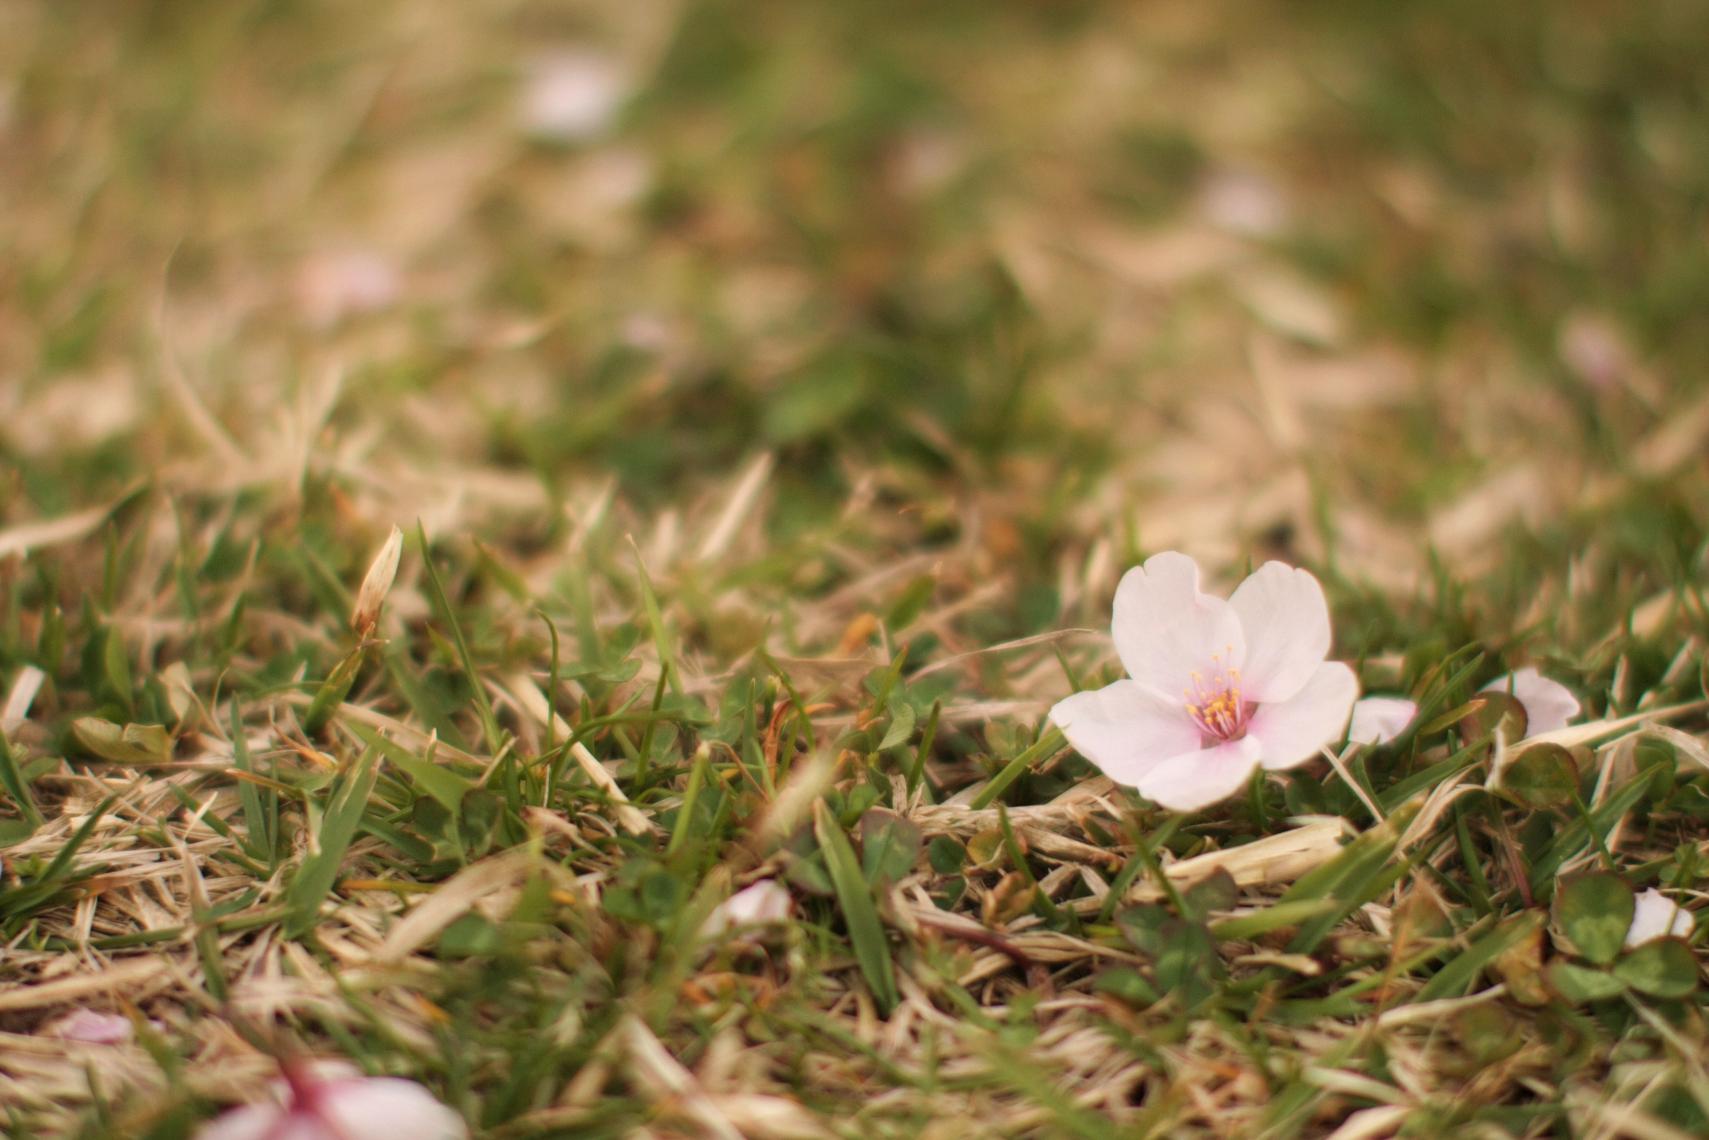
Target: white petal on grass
pixel 1378 720
pixel 1125 729
pixel 1657 916
pixel 336 284
pixel 1548 704
pixel 1244 202
pixel 1198 779
pixel 1592 346
pixel 359 1108
pixel 255 1122
pixel 1166 629
pixel 573 95
pixel 386 1108
pixel 92 1028
pixel 1285 619
pixel 1292 731
pixel 766 901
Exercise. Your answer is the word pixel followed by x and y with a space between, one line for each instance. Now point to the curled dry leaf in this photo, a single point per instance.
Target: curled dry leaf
pixel 376 584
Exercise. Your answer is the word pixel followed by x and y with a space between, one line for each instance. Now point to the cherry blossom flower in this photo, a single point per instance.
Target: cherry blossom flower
pixel 1657 916
pixel 323 1102
pixel 1378 720
pixel 1216 688
pixel 767 901
pixel 1548 704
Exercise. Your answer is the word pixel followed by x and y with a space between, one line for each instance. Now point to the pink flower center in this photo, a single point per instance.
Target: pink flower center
pixel 1215 704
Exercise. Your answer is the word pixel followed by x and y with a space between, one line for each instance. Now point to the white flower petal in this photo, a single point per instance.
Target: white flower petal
pixel 387 1108
pixel 1200 778
pixel 573 95
pixel 1125 729
pixel 1548 704
pixel 92 1027
pixel 334 285
pixel 1285 619
pixel 766 901
pixel 1166 629
pixel 1657 916
pixel 251 1122
pixel 302 1126
pixel 1378 720
pixel 1292 731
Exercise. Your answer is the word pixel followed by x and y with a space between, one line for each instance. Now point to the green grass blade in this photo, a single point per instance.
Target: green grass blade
pixel 438 781
pixel 443 610
pixel 315 876
pixel 1457 974
pixel 12 779
pixel 1046 745
pixel 866 930
pixel 656 624
pixel 260 809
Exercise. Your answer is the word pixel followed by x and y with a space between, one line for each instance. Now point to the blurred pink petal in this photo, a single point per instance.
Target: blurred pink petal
pixel 93 1028
pixel 1548 704
pixel 767 901
pixel 1378 720
pixel 341 1108
pixel 1593 349
pixel 1657 916
pixel 572 95
pixel 1244 202
pixel 1218 687
pixel 334 285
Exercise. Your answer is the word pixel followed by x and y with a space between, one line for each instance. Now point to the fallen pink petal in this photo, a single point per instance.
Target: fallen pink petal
pixel 318 1106
pixel 1244 202
pixel 92 1027
pixel 1216 688
pixel 1378 720
pixel 765 902
pixel 572 95
pixel 1548 704
pixel 336 285
pixel 1593 348
pixel 1657 916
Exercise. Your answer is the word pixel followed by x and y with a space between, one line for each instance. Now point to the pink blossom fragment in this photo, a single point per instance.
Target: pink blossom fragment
pixel 572 95
pixel 1657 916
pixel 1244 202
pixel 1378 720
pixel 1548 704
pixel 342 1107
pixel 1216 688
pixel 336 285
pixel 92 1028
pixel 767 901
pixel 1591 346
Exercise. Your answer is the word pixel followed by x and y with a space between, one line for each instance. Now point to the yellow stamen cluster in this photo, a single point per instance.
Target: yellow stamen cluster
pixel 1218 707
